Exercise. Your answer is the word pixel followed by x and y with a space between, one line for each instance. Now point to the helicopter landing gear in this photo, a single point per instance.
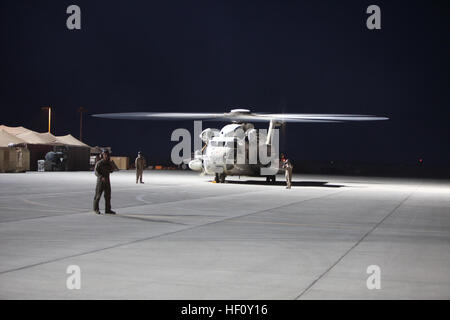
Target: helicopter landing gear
pixel 271 179
pixel 220 178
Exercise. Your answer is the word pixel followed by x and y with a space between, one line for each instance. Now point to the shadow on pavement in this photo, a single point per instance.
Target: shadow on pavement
pixel 283 183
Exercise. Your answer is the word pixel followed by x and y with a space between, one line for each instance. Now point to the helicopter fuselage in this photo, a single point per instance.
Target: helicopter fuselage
pixel 237 149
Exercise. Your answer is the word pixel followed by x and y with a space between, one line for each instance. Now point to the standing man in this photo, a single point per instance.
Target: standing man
pixel 103 168
pixel 287 165
pixel 140 165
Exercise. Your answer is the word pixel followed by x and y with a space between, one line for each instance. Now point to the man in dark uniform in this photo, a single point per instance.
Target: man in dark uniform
pixel 103 168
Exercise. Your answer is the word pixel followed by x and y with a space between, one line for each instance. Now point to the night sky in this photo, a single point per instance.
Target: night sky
pixel 211 56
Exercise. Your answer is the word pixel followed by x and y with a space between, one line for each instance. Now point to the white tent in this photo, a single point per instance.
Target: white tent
pixel 70 140
pixel 14 130
pixel 13 159
pixel 7 138
pixel 39 144
pixel 32 137
pixel 48 138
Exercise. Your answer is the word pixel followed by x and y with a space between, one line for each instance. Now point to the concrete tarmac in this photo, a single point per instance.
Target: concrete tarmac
pixel 180 236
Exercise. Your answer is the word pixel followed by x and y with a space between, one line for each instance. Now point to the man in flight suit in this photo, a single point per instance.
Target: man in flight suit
pixel 140 165
pixel 103 168
pixel 287 165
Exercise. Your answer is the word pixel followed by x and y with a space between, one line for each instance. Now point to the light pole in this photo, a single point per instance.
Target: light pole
pixel 81 110
pixel 49 116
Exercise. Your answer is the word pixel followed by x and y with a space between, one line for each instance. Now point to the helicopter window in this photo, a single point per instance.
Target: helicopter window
pixel 216 143
pixel 220 143
pixel 230 144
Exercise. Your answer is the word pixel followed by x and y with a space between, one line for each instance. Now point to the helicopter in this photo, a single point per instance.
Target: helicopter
pixel 238 149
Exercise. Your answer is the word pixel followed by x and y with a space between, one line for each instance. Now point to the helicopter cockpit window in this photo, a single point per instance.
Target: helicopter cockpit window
pixel 216 143
pixel 230 144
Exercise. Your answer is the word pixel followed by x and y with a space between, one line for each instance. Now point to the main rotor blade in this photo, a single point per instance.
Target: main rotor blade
pixel 160 116
pixel 242 117
pixel 301 117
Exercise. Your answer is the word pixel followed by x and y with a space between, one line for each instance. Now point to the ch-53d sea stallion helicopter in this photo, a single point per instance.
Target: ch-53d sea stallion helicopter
pixel 238 148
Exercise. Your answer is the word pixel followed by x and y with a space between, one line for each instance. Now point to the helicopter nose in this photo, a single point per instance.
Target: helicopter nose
pixel 195 165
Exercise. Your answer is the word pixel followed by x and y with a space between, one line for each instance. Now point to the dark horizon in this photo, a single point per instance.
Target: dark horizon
pixel 211 56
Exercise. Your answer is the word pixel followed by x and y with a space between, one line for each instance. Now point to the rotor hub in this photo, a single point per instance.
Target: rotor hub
pixel 240 111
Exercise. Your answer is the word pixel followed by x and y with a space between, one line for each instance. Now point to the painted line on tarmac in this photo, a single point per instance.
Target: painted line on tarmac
pixel 92 190
pixel 163 234
pixel 353 246
pixel 138 206
pixel 35 203
pixel 38 210
pixel 141 198
pixel 329 226
pixel 147 219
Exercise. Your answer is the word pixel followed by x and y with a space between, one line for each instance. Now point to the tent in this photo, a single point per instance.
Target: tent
pixel 14 155
pixel 39 144
pixel 14 130
pixel 70 140
pixel 6 139
pixel 48 138
pixel 33 138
